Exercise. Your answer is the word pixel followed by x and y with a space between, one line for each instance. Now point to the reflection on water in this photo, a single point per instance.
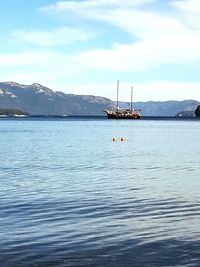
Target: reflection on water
pixel 69 196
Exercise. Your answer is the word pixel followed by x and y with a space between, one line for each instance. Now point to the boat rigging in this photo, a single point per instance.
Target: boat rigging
pixel 123 113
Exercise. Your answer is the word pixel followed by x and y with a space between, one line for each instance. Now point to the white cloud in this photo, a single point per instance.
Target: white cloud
pixel 162 38
pixel 88 4
pixel 128 14
pixel 187 5
pixel 166 90
pixel 58 80
pixel 39 59
pixel 21 59
pixel 143 55
pixel 156 90
pixel 157 38
pixel 54 37
pixel 190 12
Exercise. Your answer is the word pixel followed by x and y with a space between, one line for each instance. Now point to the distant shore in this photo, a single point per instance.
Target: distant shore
pixel 88 117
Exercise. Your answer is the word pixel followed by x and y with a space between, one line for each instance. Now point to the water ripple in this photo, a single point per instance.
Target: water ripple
pixel 71 197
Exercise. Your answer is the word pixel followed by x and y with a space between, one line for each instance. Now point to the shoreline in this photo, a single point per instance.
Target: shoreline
pixel 4 117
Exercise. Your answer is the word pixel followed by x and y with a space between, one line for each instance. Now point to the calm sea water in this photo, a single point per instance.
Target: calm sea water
pixel 69 196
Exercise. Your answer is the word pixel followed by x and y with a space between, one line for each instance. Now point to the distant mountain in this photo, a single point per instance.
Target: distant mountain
pixel 165 108
pixel 40 100
pixel 37 99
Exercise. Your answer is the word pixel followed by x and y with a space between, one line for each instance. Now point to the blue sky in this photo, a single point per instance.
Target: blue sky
pixel 85 46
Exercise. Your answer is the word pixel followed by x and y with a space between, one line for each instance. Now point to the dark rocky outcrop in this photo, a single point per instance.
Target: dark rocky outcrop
pixel 197 111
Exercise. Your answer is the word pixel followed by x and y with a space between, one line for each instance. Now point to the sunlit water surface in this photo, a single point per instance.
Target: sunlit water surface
pixel 69 196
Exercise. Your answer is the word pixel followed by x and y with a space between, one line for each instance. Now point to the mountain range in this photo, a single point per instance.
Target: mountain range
pixel 37 99
pixel 40 100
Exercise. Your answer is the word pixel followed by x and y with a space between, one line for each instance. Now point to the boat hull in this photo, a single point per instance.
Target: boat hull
pixel 122 115
pixel 117 117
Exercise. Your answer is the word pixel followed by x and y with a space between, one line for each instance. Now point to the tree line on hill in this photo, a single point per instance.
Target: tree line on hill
pixel 11 112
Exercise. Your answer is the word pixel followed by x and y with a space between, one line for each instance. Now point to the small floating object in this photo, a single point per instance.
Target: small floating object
pixel 123 139
pixel 119 139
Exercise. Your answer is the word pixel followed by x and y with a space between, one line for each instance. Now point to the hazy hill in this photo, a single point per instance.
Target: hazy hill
pixel 40 100
pixel 166 108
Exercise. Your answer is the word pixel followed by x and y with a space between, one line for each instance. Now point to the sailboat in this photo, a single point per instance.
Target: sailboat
pixel 123 113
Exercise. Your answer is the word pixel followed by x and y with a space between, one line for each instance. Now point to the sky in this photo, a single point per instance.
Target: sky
pixel 85 46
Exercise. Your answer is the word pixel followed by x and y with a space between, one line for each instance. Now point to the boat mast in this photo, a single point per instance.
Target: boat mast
pixel 131 98
pixel 117 95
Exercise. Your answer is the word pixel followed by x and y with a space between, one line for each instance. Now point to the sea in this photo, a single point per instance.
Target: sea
pixel 70 196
